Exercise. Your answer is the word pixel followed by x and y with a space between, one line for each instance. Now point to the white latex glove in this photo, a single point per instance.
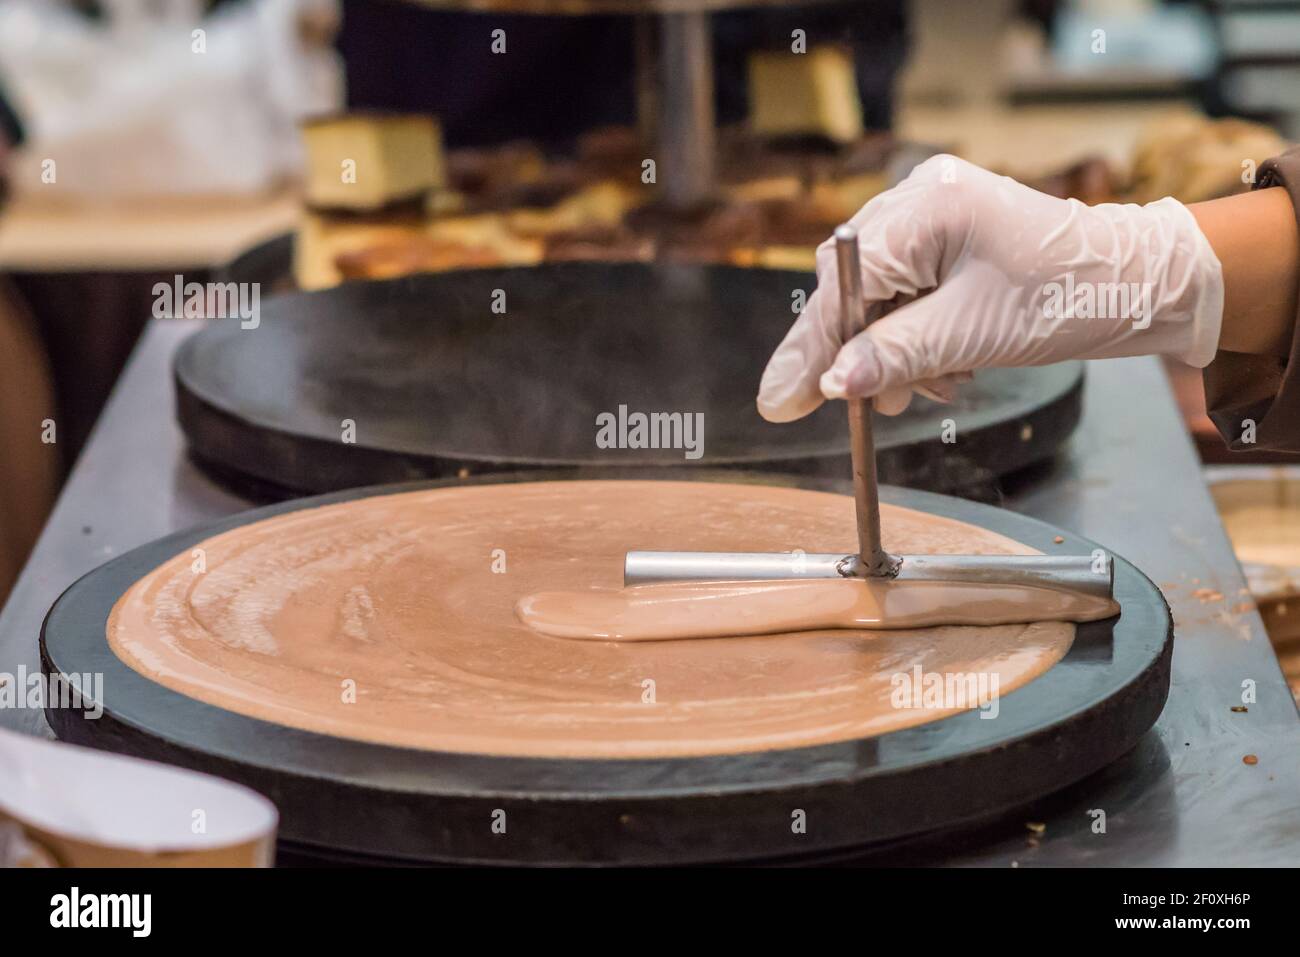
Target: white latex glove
pixel 1006 276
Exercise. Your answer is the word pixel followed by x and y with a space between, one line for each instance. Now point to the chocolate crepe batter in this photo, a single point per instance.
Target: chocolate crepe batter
pixel 677 610
pixel 409 599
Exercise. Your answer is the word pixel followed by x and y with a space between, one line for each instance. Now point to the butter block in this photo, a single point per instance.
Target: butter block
pixel 802 94
pixel 366 162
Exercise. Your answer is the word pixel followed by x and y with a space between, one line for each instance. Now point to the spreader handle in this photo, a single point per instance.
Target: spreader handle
pixel 874 561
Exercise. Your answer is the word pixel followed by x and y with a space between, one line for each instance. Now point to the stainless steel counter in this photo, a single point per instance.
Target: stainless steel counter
pixel 1129 479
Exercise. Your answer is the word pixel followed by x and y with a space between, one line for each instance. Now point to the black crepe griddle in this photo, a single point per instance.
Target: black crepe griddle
pixel 437 384
pixel 349 800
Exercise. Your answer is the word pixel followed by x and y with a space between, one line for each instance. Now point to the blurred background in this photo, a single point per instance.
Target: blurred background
pixel 145 139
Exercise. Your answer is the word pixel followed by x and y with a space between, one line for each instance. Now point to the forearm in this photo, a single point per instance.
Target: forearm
pixel 1257 242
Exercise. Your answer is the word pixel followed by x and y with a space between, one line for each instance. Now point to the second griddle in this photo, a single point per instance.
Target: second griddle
pixel 431 382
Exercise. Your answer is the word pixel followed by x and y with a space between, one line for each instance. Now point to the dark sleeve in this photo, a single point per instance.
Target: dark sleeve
pixel 1253 397
pixel 10 128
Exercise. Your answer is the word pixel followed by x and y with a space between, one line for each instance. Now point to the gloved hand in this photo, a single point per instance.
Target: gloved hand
pixel 984 272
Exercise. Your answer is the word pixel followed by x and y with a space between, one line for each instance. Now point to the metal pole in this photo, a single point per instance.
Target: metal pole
pixel 685 110
pixel 646 45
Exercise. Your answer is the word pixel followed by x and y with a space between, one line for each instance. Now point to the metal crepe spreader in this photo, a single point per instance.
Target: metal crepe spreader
pixel 1092 575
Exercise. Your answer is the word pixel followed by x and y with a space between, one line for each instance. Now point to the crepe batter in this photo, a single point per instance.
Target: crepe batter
pixel 391 619
pixel 721 609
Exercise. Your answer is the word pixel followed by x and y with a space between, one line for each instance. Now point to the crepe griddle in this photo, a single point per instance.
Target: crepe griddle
pixel 349 800
pixel 437 384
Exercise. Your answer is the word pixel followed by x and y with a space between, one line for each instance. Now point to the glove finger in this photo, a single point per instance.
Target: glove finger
pixel 892 401
pixel 789 389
